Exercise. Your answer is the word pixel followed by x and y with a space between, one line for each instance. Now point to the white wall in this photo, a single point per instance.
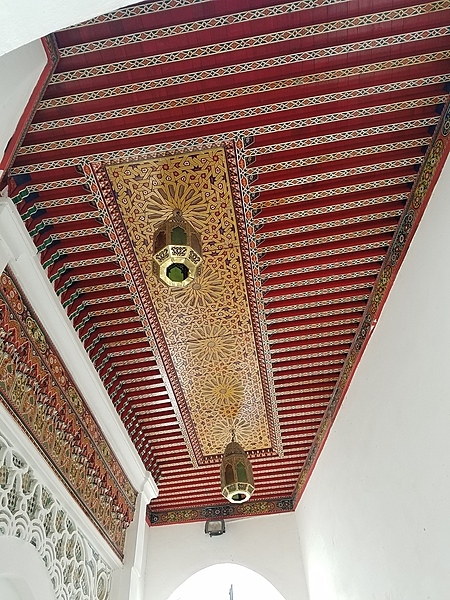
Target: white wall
pixel 23 575
pixel 374 520
pixel 23 21
pixel 268 545
pixel 19 73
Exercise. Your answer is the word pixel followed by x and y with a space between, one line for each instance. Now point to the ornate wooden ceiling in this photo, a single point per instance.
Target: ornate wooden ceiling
pixel 203 336
pixel 326 109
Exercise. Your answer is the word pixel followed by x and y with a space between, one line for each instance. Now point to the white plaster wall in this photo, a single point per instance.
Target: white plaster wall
pixel 23 21
pixel 19 73
pixel 23 575
pixel 374 520
pixel 268 545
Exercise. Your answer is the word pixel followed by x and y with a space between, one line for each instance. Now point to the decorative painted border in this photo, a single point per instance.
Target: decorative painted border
pixel 420 195
pixel 308 79
pixel 221 511
pixel 181 28
pixel 116 113
pixel 160 128
pixel 340 155
pixel 36 388
pixel 248 152
pixel 225 48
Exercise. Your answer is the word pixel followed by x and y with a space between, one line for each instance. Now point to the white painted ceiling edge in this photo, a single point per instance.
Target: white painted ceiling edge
pixel 23 21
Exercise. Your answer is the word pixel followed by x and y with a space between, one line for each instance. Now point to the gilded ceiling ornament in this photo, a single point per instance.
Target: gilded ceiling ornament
pixel 206 290
pixel 222 427
pixel 212 343
pixel 207 324
pixel 224 393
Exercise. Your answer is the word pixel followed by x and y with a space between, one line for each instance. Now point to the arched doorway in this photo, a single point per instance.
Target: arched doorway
pixel 226 582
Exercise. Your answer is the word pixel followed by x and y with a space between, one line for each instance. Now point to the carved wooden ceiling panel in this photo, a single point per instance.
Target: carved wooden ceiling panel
pixel 207 332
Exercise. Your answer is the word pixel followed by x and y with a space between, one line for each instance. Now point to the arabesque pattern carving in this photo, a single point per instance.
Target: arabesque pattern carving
pixel 30 512
pixel 217 365
pixel 36 388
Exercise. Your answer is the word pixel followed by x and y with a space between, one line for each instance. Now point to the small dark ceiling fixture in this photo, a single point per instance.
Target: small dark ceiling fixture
pixel 215 527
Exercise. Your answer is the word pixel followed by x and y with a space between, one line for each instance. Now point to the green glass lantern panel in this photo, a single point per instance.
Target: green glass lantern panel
pixel 229 475
pixel 177 272
pixel 160 241
pixel 241 473
pixel 178 236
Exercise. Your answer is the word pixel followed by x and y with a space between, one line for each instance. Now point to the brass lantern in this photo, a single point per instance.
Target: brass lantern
pixel 236 474
pixel 177 252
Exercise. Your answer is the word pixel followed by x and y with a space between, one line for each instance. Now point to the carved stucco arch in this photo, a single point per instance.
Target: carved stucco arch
pixel 31 517
pixel 23 574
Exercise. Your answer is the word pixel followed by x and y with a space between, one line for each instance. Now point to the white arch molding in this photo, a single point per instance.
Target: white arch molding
pixel 23 575
pixel 268 545
pixel 215 582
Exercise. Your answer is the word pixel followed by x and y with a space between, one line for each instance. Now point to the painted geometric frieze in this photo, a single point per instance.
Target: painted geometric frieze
pixel 30 512
pixel 210 345
pixel 37 390
pixel 207 326
pixel 221 511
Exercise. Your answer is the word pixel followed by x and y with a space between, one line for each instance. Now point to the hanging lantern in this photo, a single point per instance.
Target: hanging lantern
pixel 236 474
pixel 177 252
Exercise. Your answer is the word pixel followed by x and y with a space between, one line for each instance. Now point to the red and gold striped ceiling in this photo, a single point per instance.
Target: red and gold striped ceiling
pixel 326 111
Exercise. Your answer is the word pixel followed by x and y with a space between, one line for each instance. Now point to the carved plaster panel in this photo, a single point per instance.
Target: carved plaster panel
pixel 38 391
pixel 30 512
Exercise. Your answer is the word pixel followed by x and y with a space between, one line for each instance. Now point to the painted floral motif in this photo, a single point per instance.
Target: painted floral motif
pixel 224 393
pixel 211 342
pixel 222 511
pixel 206 291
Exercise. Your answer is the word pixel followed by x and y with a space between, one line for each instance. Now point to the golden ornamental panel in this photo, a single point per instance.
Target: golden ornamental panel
pixel 207 325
